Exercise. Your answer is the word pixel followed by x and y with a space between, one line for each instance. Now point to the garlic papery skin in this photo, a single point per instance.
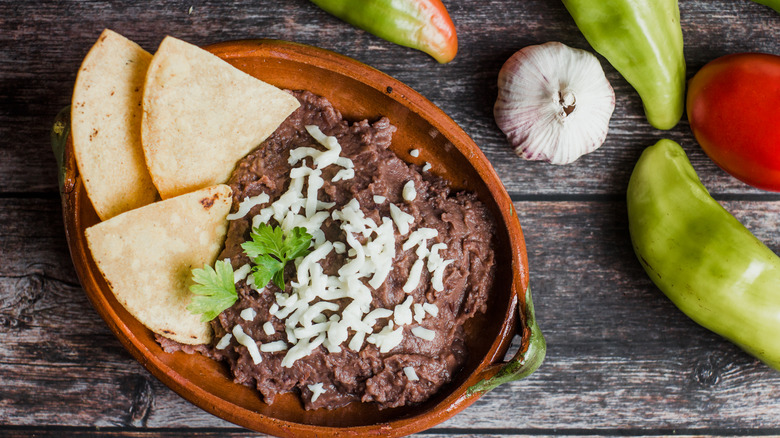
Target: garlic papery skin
pixel 554 103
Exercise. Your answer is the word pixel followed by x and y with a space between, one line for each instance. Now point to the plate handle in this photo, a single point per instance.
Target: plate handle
pixel 526 360
pixel 60 136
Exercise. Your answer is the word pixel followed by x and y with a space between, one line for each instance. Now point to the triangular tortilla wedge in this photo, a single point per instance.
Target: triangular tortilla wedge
pixel 147 255
pixel 202 115
pixel 106 125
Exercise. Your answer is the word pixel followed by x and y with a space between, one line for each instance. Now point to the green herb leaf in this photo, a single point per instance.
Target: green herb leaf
pixel 266 267
pixel 265 240
pixel 214 290
pixel 270 250
pixel 279 279
pixel 297 243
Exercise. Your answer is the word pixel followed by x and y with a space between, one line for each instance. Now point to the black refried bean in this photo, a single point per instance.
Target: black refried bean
pixel 463 223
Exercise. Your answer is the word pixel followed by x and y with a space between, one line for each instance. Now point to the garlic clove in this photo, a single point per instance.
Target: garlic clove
pixel 554 103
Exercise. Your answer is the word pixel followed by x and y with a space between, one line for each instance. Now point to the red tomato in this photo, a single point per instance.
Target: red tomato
pixel 734 111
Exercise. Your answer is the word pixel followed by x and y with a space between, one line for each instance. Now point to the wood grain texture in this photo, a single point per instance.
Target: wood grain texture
pixel 622 359
pixel 43 42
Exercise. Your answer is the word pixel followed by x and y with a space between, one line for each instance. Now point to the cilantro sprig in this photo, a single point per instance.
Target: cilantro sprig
pixel 214 290
pixel 270 250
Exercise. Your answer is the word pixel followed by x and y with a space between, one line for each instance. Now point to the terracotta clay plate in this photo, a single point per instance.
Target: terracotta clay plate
pixel 359 92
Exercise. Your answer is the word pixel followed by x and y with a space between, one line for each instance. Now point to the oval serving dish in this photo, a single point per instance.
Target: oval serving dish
pixel 359 92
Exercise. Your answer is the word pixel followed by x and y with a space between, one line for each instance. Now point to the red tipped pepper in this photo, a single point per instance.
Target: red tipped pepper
pixel 420 24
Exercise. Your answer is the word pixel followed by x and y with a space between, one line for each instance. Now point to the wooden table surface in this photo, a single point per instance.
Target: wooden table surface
pixel 622 360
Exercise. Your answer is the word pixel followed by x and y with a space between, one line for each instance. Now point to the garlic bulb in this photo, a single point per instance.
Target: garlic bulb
pixel 554 103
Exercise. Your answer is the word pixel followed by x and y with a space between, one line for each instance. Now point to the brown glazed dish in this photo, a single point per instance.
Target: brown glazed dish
pixel 359 92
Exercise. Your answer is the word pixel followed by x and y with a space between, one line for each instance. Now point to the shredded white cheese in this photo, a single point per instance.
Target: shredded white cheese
pixel 382 253
pixel 414 276
pixel 411 374
pixel 401 219
pixel 310 312
pixel 326 158
pixel 316 391
pixel 437 281
pixel 409 192
pixel 263 217
pixel 356 344
pixel 426 167
pixel 415 153
pixel 248 314
pixel 337 334
pixel 402 314
pixel 387 338
pixel 434 259
pixel 315 183
pixel 375 314
pixel 290 336
pixel 273 347
pixel 344 174
pixel 339 247
pixel 419 313
pixel 310 331
pixel 247 204
pixel 241 273
pixel 245 340
pixel 424 333
pixel 224 342
pixel 419 237
pixel 302 349
pixel 431 309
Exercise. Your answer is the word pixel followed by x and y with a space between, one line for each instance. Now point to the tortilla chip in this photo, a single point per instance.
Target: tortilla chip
pixel 147 255
pixel 202 115
pixel 106 126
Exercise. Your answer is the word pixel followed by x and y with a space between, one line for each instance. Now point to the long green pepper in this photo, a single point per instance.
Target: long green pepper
pixel 420 24
pixel 700 256
pixel 774 4
pixel 643 40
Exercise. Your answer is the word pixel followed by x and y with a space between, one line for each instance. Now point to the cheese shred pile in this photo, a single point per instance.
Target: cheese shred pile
pixel 310 313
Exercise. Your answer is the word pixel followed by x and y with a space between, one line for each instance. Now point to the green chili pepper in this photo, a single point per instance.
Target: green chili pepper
pixel 526 362
pixel 774 4
pixel 700 256
pixel 643 41
pixel 420 24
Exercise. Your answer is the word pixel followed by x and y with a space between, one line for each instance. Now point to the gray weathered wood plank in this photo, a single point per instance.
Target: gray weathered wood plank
pixel 620 355
pixel 622 359
pixel 42 45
